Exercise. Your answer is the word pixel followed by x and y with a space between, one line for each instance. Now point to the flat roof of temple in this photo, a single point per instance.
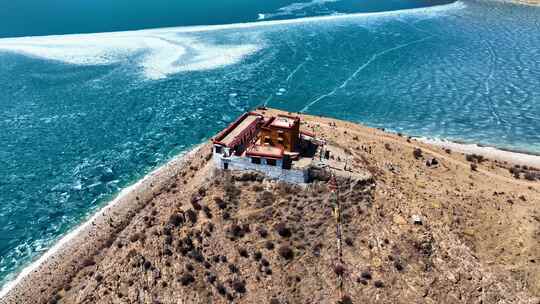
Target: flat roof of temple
pixel 265 151
pixel 227 136
pixel 282 121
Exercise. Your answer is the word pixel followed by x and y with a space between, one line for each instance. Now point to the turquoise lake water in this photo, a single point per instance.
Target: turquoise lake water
pixel 83 116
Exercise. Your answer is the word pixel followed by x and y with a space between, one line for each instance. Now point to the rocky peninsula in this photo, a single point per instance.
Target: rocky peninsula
pixel 420 224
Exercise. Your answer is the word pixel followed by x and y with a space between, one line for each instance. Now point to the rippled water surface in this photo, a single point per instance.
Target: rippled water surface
pixel 82 116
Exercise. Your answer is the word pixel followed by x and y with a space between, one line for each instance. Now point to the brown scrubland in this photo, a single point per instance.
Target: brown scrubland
pixel 420 224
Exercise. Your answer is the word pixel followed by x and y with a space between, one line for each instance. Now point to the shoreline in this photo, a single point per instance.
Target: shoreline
pixel 533 3
pixel 97 227
pixel 153 181
pixel 505 155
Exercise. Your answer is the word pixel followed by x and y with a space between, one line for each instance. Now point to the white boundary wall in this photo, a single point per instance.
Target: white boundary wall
pixel 274 172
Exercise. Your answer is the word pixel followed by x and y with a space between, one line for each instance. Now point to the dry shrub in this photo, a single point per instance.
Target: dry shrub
pixel 88 262
pixel 366 275
pixel 176 220
pixel 243 253
pixel 398 265
pixel 417 153
pixel 191 216
pixel 283 230
pixel 257 256
pixel 220 202
pixel 530 176
pixel 345 300
pixel 339 269
pixel 475 158
pixel 257 188
pixel 196 255
pixel 211 278
pixel 137 236
pixel 235 231
pixel 202 191
pixel 195 203
pixel 233 268
pixel 186 279
pixel 262 232
pixel 231 190
pixel 207 212
pixel 238 286
pixel 286 252
pixel 147 265
pixel 265 199
pixel 221 289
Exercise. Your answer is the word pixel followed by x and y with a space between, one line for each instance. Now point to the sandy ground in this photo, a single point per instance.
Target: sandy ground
pixel 190 234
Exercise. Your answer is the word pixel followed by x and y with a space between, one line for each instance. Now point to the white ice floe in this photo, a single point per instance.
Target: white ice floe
pixel 297 7
pixel 159 54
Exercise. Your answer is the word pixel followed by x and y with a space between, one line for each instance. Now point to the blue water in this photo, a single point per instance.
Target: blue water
pixel 83 116
pixel 53 17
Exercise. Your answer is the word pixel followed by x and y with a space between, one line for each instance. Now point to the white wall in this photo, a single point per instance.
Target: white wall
pixel 274 172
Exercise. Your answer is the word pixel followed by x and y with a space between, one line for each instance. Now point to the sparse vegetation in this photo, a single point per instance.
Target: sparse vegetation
pixel 290 244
